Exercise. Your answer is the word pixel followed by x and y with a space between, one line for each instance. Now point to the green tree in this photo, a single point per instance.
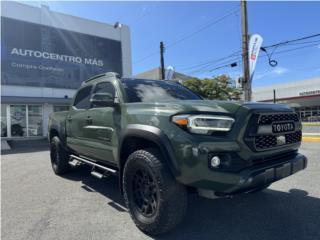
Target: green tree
pixel 218 87
pixel 194 84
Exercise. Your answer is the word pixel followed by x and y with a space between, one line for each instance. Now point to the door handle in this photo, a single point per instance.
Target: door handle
pixel 89 120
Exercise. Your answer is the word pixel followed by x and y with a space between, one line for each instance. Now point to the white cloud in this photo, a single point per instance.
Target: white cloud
pixel 279 70
pixel 260 75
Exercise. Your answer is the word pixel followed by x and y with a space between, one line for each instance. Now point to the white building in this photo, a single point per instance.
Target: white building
pixel 155 74
pixel 45 56
pixel 303 96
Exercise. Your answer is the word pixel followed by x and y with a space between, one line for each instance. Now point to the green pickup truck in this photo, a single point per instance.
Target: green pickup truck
pixel 163 141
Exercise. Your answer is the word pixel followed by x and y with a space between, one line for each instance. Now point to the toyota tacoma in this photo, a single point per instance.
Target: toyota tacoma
pixel 162 141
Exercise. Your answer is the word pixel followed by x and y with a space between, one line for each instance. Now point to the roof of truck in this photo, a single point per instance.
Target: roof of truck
pixel 107 74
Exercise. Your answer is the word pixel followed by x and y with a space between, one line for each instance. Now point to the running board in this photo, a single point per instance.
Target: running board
pixel 93 164
pixel 97 174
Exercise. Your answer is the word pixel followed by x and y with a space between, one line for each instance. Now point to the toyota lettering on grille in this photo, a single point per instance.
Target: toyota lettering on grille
pixel 282 127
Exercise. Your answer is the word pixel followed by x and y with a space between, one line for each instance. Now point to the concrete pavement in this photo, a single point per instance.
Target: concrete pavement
pixel 36 204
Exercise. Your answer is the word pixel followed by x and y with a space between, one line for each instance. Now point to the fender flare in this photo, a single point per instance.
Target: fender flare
pixel 61 134
pixel 156 136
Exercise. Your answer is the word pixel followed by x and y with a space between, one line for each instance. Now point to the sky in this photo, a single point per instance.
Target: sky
pixel 196 34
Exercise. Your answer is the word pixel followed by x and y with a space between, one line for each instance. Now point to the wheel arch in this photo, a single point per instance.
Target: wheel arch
pixel 56 131
pixel 52 133
pixel 138 136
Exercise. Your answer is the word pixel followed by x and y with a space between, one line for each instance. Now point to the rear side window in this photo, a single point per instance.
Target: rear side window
pixel 82 100
pixel 105 87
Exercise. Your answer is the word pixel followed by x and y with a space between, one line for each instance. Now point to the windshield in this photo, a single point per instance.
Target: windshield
pixel 141 90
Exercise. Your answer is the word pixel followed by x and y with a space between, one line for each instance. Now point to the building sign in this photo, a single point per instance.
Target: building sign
pixel 308 93
pixel 43 56
pixel 55 56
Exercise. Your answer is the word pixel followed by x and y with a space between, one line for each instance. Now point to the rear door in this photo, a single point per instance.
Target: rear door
pixel 103 131
pixel 78 120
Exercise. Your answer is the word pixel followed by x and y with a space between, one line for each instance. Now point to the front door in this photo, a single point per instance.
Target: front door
pixel 102 133
pixel 77 122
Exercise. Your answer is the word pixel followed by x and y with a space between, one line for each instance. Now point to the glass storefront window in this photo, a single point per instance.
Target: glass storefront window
pixel 34 120
pixel 3 120
pixel 60 108
pixel 18 120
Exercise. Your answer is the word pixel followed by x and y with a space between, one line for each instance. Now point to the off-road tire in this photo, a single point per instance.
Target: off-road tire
pixel 59 157
pixel 170 195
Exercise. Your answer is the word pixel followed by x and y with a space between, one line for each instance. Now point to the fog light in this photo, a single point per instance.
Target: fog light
pixel 215 161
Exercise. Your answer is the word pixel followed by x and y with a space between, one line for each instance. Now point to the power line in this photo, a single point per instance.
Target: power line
pixel 207 25
pixel 298 43
pixel 210 61
pixel 294 40
pixel 294 49
pixel 146 57
pixel 202 28
pixel 204 67
pixel 230 62
pixel 208 68
pixel 234 64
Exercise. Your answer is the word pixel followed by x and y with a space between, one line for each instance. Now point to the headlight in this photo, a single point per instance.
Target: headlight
pixel 204 124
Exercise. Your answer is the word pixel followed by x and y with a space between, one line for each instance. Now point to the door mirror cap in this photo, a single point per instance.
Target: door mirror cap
pixel 103 100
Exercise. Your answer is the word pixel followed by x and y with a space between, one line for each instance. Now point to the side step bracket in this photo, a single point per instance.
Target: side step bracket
pixel 74 163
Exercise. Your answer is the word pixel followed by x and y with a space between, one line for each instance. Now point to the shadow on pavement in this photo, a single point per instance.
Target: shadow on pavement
pixel 26 146
pixel 108 187
pixel 267 215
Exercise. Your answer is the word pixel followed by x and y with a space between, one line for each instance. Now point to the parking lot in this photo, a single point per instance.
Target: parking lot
pixel 36 204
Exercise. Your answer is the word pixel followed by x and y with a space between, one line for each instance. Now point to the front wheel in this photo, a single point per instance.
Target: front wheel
pixel 156 202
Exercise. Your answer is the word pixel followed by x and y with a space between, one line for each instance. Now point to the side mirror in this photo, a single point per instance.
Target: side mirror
pixel 103 100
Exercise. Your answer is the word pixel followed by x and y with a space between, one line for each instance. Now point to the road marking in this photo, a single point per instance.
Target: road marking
pixel 311 134
pixel 311 139
pixel 316 124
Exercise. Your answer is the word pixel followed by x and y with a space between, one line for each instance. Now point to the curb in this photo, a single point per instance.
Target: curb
pixel 311 139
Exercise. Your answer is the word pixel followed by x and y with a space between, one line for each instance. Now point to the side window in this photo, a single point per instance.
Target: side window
pixel 105 87
pixel 82 100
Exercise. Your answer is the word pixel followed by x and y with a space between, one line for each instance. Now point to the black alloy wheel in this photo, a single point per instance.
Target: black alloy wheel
pixel 145 194
pixel 155 200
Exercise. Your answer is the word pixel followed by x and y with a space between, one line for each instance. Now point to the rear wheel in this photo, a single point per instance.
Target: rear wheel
pixel 59 157
pixel 156 202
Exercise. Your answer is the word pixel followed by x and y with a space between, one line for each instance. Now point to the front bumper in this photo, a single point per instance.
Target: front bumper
pixel 262 175
pixel 249 178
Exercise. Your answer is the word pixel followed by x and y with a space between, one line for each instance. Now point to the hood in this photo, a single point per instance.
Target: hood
pixel 214 106
pixel 185 106
pixel 272 107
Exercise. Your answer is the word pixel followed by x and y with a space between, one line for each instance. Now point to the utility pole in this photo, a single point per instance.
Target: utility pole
pixel 245 51
pixel 162 60
pixel 274 96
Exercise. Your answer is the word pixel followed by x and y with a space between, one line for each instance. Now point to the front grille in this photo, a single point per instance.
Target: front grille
pixel 269 140
pixel 270 118
pixel 265 141
pixel 293 137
